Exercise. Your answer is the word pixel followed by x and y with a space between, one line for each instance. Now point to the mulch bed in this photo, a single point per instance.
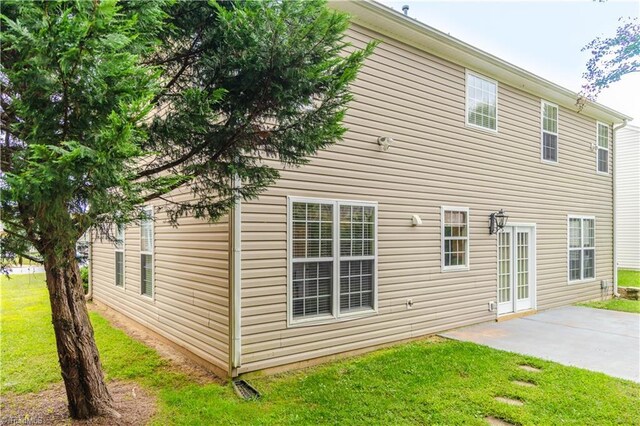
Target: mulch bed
pixel 49 407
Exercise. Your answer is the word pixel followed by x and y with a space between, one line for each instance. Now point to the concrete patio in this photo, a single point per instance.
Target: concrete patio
pixel 594 339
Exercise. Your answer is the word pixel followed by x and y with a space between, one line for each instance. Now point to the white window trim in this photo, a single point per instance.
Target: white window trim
pixel 336 316
pixel 124 263
pixel 443 267
pixel 149 211
pixel 598 148
pixel 595 272
pixel 543 131
pixel 466 102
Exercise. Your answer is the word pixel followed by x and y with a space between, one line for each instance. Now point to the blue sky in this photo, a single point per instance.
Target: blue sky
pixel 544 37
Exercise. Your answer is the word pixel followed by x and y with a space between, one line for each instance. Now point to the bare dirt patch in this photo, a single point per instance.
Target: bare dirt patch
pixel 530 368
pixel 509 401
pixel 524 383
pixel 49 407
pixel 494 421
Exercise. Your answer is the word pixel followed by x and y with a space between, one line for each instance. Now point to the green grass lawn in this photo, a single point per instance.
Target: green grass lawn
pixel 628 278
pixel 427 382
pixel 623 305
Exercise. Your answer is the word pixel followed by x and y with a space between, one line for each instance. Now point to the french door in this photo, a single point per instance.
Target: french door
pixel 516 269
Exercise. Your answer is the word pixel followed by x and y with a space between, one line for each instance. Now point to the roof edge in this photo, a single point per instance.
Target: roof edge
pixel 394 24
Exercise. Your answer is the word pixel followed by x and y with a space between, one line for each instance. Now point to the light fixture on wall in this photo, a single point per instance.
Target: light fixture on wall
pixel 385 142
pixel 416 220
pixel 497 221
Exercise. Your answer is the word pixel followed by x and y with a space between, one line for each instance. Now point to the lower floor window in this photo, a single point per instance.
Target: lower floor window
pixel 582 250
pixel 455 238
pixel 119 268
pixel 333 257
pixel 119 255
pixel 356 284
pixel 146 281
pixel 312 288
pixel 146 253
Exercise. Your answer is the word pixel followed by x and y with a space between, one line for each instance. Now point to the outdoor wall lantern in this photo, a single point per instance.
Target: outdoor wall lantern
pixel 497 221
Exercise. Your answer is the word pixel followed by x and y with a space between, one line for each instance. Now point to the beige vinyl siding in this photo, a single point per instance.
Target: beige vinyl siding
pixel 191 292
pixel 627 177
pixel 435 160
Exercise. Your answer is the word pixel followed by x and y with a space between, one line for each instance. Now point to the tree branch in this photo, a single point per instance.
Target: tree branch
pixel 157 194
pixel 20 252
pixel 185 64
pixel 174 163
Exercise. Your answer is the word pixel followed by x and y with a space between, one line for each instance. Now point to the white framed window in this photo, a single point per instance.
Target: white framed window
pixel 332 259
pixel 581 245
pixel 602 151
pixel 455 238
pixel 481 102
pixel 146 253
pixel 549 130
pixel 119 255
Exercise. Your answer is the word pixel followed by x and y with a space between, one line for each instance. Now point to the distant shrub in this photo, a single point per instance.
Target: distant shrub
pixel 84 274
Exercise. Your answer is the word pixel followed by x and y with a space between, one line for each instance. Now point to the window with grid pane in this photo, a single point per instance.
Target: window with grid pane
pixel 549 132
pixel 332 261
pixel 603 148
pixel 312 257
pixel 146 254
pixel 119 256
pixel 357 257
pixel 482 102
pixel 582 250
pixel 455 238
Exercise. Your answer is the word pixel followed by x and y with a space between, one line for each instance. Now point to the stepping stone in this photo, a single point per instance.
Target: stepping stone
pixel 494 421
pixel 526 384
pixel 530 368
pixel 509 401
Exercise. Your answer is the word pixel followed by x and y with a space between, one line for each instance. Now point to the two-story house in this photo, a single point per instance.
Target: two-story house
pixel 393 233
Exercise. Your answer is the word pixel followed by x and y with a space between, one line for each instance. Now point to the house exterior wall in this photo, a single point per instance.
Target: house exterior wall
pixel 435 160
pixel 628 197
pixel 190 306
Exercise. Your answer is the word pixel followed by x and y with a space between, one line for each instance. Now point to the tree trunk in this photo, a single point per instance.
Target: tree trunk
pixel 87 392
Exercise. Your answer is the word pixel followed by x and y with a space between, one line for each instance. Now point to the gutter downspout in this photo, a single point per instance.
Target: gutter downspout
pixel 89 295
pixel 236 281
pixel 615 229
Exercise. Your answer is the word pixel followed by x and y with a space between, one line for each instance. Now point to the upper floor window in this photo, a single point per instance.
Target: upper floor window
pixel 482 102
pixel 119 255
pixel 333 258
pixel 582 248
pixel 146 253
pixel 549 132
pixel 455 238
pixel 602 157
